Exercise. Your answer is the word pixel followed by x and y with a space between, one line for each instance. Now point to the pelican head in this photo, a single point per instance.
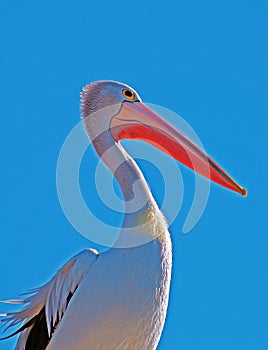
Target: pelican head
pixel 114 108
pixel 105 93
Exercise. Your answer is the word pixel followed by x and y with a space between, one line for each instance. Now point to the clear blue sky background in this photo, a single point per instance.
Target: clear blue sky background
pixel 203 59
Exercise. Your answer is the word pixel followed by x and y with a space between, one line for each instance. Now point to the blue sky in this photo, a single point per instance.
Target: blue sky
pixel 206 61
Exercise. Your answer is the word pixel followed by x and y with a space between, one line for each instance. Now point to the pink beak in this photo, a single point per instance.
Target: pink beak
pixel 136 121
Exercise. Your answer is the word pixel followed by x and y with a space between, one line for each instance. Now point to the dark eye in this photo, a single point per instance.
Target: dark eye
pixel 128 94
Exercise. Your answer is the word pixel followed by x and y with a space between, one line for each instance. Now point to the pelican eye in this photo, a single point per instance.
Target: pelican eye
pixel 128 94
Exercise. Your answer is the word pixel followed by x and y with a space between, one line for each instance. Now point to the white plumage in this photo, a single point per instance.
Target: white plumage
pixel 119 298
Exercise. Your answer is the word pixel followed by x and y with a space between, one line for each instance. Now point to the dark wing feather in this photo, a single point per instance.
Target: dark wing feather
pixel 44 309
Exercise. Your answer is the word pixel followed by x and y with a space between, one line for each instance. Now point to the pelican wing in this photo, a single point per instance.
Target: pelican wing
pixel 44 307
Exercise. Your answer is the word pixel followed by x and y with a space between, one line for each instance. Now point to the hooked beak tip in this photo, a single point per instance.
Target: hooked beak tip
pixel 244 192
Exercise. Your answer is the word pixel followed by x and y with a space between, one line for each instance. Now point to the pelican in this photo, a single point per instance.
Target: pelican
pixel 115 299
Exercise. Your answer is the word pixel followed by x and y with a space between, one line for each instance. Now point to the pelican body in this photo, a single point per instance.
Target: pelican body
pixel 117 299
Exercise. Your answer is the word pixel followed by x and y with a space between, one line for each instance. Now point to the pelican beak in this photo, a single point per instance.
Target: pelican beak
pixel 136 121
